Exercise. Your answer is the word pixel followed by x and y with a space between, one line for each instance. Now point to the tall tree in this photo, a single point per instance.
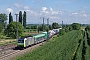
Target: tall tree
pixel 20 17
pixel 76 26
pixel 3 18
pixel 10 18
pixel 24 19
pixel 55 25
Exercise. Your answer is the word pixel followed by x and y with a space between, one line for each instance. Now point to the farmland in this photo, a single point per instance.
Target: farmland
pixel 71 46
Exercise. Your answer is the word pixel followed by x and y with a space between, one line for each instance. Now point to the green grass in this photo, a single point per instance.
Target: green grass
pixel 2 36
pixel 61 48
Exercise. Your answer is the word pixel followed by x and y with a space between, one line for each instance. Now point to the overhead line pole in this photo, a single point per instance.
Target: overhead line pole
pixel 48 22
pixel 16 27
pixel 47 27
pixel 43 23
pixel 62 24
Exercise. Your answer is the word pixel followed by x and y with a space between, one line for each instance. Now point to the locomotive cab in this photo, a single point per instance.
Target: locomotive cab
pixel 21 42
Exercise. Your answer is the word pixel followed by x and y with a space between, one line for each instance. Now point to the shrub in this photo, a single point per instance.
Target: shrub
pixel 11 30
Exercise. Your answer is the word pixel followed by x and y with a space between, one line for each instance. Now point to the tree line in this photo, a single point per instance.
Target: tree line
pixel 44 27
pixel 3 23
pixel 67 28
pixel 22 18
pixel 10 29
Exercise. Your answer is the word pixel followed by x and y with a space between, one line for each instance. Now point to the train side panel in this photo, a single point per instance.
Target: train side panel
pixel 30 40
pixel 39 38
pixel 46 34
pixel 51 33
pixel 56 31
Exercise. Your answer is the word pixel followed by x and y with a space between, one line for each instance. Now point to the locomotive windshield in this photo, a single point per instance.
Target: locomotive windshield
pixel 21 40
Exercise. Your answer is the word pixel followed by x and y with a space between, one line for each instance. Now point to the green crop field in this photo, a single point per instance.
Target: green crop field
pixel 87 46
pixel 71 46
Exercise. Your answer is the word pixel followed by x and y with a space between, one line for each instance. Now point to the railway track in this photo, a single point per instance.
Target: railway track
pixel 4 50
pixel 9 54
pixel 15 53
pixel 10 46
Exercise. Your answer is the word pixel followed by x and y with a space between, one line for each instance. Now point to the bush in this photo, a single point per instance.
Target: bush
pixel 62 32
pixel 55 25
pixel 11 30
pixel 76 26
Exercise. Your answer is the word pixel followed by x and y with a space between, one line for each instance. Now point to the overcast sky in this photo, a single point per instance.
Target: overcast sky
pixel 69 11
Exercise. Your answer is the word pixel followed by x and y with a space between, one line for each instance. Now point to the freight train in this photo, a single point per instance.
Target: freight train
pixel 30 40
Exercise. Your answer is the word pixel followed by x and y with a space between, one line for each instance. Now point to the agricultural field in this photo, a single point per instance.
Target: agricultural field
pixel 87 45
pixel 71 46
pixel 31 31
